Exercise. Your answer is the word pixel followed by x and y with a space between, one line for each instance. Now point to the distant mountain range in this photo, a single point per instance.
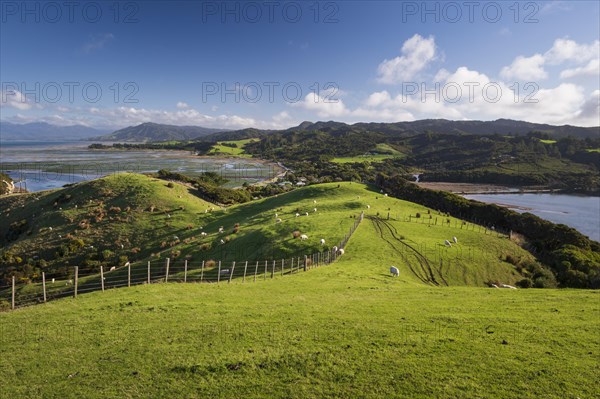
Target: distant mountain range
pixel 157 132
pixel 46 132
pixel 444 126
pixel 146 132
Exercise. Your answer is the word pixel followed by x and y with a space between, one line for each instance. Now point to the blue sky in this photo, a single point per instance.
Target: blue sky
pixel 192 63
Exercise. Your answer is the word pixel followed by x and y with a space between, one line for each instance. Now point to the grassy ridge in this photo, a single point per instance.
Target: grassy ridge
pixel 346 330
pixel 174 229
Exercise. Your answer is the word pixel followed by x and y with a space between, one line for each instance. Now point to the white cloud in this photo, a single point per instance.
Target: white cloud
pixel 568 50
pixel 14 99
pixel 591 69
pixel 97 42
pixel 182 105
pixel 417 53
pixel 525 68
pixel 323 106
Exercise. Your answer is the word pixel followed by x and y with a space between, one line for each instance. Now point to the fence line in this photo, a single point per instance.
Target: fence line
pixel 208 271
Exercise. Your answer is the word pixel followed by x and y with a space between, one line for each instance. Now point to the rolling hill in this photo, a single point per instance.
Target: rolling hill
pixel 346 329
pixel 157 132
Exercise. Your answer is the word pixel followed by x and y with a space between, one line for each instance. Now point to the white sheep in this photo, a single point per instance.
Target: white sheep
pixel 334 249
pixel 277 220
pixel 276 215
pixel 314 201
pixel 168 216
pixel 297 214
pixel 341 251
pixel 222 242
pixel 206 211
pixel 385 195
pixel 394 271
pixel 455 240
pixel 447 243
pixel 368 206
pixel 53 280
pixel 50 228
pixel 306 213
pixel 304 237
pixel 315 209
pixel 322 241
pixel 221 229
pixel 203 234
pixel 176 238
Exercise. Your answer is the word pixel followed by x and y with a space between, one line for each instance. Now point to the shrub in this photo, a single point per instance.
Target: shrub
pixel 209 263
pixel 170 184
pixel 544 279
pixel 107 254
pixel 296 234
pixel 205 246
pixel 418 215
pixel 525 283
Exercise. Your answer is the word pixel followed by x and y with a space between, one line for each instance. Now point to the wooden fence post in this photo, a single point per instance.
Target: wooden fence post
pixel 185 271
pixel 266 267
pixel 148 272
pixel 255 271
pixel 273 270
pixel 219 273
pixel 76 281
pixel 12 302
pixel 44 285
pixel 305 260
pixel 231 274
pixel 102 277
pixel 167 272
pixel 202 272
pixel 245 269
pixel 129 274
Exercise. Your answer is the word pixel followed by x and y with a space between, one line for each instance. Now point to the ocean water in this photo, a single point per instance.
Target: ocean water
pixel 577 211
pixel 42 165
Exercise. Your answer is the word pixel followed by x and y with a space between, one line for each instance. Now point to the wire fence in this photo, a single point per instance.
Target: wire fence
pixel 16 295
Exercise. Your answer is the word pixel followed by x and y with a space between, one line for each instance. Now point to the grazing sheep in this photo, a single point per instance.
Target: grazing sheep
pixel 168 216
pixel 175 238
pixel 297 214
pixel 277 220
pixel 306 213
pixel 314 201
pixel 203 234
pixel 322 241
pixel 112 268
pixel 50 228
pixel 222 241
pixel 315 209
pixel 59 236
pixel 394 271
pixel 276 215
pixel 508 286
pixel 122 246
pixel 334 249
pixel 368 206
pixel 455 240
pixel 221 229
pixel 304 237
pixel 447 243
pixel 385 195
pixel 53 281
pixel 206 211
pixel 341 251
pixel 70 282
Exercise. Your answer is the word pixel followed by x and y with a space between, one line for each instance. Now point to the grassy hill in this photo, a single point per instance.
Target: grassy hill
pixel 344 330
pixel 128 217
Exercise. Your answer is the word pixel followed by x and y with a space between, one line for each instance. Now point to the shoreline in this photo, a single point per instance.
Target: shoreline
pixel 481 188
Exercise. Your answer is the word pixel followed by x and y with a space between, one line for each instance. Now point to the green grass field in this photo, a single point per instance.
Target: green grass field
pixel 345 330
pixel 381 152
pixel 237 151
